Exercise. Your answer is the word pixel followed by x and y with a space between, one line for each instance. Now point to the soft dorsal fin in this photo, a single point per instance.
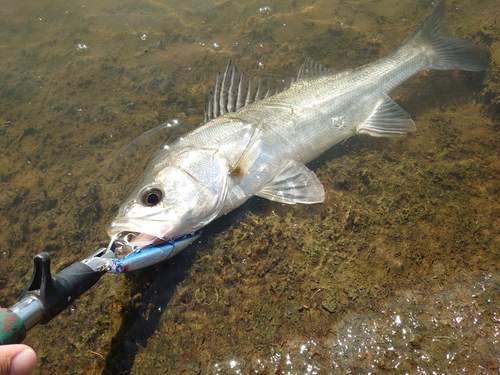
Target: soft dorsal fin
pixel 311 68
pixel 234 90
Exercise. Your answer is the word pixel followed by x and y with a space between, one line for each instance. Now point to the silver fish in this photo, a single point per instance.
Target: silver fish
pixel 255 143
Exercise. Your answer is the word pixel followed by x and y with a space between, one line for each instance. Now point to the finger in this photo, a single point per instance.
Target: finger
pixel 17 360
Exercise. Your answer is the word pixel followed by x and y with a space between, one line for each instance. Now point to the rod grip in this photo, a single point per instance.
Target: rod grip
pixel 12 328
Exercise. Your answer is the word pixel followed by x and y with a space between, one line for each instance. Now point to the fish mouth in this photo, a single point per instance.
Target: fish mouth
pixel 137 236
pixel 125 243
pixel 127 237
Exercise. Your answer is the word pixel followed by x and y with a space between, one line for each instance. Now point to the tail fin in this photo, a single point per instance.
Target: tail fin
pixel 445 51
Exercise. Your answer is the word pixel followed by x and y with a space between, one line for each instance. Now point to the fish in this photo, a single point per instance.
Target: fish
pixel 255 142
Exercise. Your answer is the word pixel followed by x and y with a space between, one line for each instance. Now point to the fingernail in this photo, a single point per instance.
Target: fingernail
pixel 24 363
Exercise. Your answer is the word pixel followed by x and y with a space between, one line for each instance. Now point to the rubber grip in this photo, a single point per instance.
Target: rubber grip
pixel 12 329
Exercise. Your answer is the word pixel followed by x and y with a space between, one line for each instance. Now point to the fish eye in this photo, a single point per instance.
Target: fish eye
pixel 152 197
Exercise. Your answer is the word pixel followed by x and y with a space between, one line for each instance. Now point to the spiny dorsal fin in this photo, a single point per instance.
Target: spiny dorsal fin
pixel 311 68
pixel 234 90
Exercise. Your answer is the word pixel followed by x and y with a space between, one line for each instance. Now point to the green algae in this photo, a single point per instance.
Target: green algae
pixel 413 218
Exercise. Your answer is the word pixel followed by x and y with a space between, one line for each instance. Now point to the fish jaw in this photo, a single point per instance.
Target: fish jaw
pixel 140 233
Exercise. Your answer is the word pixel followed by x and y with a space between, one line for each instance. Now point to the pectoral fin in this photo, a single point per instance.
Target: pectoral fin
pixel 294 184
pixel 387 120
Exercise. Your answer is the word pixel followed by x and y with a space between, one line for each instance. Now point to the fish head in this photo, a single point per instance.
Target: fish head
pixel 180 192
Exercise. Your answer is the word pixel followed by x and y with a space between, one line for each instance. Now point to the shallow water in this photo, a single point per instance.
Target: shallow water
pixel 398 271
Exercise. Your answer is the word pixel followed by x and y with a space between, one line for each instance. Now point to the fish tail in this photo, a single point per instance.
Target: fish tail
pixel 444 51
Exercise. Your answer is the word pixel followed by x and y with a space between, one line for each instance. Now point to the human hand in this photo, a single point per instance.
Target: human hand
pixel 17 359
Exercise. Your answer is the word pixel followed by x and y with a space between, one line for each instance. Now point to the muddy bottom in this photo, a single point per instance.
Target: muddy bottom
pixel 396 272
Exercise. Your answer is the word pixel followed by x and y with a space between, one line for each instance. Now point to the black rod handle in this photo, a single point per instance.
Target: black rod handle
pixel 45 297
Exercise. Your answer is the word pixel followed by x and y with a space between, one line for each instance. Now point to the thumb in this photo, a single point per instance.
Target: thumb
pixel 17 359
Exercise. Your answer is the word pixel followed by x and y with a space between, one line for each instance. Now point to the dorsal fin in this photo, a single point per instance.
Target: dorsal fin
pixel 234 90
pixel 311 68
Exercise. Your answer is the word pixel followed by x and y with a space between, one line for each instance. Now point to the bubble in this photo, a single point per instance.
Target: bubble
pixel 143 37
pixel 81 48
pixel 216 46
pixel 4 254
pixel 261 65
pixel 265 10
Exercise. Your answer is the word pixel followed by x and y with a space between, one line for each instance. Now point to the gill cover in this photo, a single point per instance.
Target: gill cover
pixel 209 172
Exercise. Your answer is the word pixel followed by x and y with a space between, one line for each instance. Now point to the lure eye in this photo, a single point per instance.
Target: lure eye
pixel 152 197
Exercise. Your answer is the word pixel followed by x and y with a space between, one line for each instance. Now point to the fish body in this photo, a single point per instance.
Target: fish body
pixel 255 144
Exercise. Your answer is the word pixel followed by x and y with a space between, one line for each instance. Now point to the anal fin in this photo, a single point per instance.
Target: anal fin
pixel 294 184
pixel 387 120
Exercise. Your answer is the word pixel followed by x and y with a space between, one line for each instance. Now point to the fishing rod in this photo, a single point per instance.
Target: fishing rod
pixel 46 296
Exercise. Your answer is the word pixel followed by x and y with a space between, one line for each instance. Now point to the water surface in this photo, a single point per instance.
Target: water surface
pixel 398 271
